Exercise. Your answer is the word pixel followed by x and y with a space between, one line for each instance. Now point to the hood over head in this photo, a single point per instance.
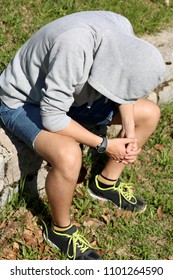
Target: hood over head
pixel 126 68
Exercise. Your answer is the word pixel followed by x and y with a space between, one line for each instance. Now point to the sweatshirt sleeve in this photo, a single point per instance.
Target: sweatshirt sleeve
pixel 67 61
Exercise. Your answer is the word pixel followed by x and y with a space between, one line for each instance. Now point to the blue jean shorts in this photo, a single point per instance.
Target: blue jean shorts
pixel 25 122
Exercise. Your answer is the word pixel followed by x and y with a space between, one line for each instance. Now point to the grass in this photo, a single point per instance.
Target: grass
pixel 119 235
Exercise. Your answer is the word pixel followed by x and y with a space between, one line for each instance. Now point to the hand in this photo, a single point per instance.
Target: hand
pixel 132 149
pixel 132 154
pixel 117 149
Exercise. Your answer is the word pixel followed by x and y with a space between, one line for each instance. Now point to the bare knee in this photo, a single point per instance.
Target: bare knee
pixel 68 156
pixel 154 112
pixel 63 153
pixel 147 113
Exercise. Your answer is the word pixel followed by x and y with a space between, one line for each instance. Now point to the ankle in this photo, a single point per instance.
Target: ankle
pixel 107 181
pixel 61 228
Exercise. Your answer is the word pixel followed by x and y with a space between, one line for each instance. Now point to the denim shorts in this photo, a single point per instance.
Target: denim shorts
pixel 25 122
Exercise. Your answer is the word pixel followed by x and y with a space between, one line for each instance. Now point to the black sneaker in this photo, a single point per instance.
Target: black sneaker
pixel 120 194
pixel 71 243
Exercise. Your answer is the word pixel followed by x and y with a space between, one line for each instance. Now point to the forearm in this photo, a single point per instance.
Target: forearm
pixel 115 148
pixel 127 116
pixel 80 134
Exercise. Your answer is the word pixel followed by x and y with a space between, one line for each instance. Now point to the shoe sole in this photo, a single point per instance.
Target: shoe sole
pixel 105 199
pixel 50 242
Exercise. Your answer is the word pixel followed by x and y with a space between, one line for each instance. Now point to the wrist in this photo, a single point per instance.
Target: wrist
pixel 101 148
pixel 131 135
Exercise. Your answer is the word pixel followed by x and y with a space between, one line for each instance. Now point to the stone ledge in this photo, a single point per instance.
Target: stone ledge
pixel 17 161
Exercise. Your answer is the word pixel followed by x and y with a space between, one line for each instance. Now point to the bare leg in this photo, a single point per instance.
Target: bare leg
pixel 64 155
pixel 146 115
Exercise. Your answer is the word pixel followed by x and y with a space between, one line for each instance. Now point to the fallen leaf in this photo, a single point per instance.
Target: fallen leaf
pixel 106 219
pixel 94 243
pixel 2 224
pixel 159 147
pixel 93 222
pixel 42 247
pixel 9 254
pixel 16 246
pixel 77 224
pixel 11 228
pixel 160 213
pixel 89 223
pixel 30 239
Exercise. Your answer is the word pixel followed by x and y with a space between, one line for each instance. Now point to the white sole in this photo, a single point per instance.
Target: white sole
pixel 50 242
pixel 104 199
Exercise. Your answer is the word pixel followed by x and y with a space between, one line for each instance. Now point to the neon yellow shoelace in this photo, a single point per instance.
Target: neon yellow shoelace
pixel 77 241
pixel 124 189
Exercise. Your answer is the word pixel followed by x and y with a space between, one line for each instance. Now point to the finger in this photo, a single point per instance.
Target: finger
pixel 124 161
pixel 134 152
pixel 130 141
pixel 129 147
pixel 129 157
pixel 131 160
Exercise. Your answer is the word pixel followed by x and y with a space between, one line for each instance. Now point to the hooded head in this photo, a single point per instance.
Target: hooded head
pixel 126 68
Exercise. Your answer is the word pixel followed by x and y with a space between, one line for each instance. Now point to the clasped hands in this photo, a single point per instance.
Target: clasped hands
pixel 124 150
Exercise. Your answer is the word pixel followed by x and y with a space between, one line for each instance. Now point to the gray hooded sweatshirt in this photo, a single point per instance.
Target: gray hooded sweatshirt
pixel 76 59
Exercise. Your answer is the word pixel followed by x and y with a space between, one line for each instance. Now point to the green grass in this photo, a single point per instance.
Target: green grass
pixel 119 235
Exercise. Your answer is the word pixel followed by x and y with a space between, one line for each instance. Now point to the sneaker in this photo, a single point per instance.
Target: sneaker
pixel 71 243
pixel 120 194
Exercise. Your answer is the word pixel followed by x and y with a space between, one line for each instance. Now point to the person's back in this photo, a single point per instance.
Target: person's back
pixel 33 58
